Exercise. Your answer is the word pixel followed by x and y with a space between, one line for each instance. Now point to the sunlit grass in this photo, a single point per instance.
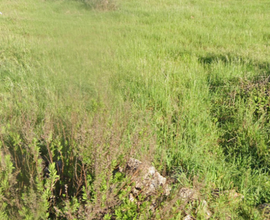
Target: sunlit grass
pixel 172 81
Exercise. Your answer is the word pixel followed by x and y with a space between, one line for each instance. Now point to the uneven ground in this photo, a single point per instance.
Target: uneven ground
pixel 183 84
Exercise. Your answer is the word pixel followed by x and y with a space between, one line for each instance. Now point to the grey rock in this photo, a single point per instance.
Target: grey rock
pixel 191 195
pixel 205 209
pixel 187 194
pixel 146 178
pixel 188 217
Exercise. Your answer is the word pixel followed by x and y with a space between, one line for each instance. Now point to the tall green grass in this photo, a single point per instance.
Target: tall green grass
pixel 182 84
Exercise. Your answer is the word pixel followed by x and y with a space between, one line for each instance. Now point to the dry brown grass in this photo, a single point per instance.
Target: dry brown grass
pixel 89 147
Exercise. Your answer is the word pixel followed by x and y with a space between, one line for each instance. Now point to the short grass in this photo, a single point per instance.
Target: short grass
pixel 181 83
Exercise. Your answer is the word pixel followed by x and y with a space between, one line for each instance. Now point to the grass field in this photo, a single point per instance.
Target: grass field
pixel 183 84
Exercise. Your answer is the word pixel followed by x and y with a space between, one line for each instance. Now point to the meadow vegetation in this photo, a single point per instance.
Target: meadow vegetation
pixel 183 84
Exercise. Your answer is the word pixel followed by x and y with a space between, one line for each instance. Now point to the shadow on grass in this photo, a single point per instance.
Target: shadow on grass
pixel 262 67
pixel 239 105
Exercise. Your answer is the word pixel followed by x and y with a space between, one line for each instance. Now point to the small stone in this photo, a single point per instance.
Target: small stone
pixel 232 194
pixel 131 197
pixel 188 194
pixel 206 211
pixel 133 164
pixel 148 181
pixel 188 217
